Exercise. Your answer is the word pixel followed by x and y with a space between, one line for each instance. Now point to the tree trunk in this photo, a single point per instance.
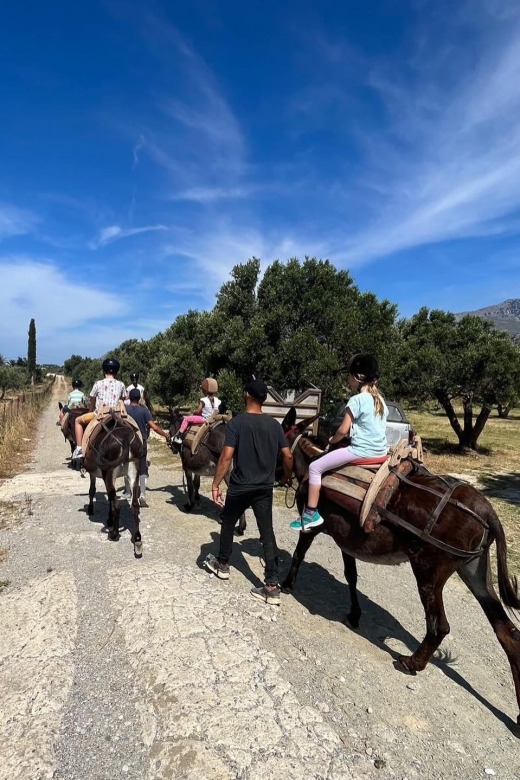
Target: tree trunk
pixel 503 411
pixel 446 404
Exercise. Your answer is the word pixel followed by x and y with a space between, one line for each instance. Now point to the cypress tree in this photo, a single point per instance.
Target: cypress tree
pixel 31 351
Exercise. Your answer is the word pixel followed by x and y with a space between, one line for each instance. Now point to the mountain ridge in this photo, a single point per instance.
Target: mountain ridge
pixel 504 316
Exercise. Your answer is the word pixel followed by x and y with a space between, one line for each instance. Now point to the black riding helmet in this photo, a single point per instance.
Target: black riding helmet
pixel 363 367
pixel 134 376
pixel 110 366
pixel 77 383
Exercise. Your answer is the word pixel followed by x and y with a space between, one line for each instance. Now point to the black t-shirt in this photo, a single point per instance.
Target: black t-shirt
pixel 142 417
pixel 257 439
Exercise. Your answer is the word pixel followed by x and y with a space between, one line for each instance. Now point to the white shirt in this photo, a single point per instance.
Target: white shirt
pixel 207 409
pixel 134 387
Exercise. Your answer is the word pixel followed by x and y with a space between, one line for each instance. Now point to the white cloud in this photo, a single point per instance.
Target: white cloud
pixel 448 166
pixel 115 232
pixel 224 244
pixel 15 221
pixel 41 291
pixel 196 136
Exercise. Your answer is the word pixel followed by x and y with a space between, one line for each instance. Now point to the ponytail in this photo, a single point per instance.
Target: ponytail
pixel 379 408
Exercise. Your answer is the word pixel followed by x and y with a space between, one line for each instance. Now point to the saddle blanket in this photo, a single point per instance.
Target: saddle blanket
pixel 364 485
pixel 196 433
pixel 96 426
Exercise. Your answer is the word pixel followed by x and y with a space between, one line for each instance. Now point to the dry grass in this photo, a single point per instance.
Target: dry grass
pixel 16 441
pixel 498 444
pixel 10 514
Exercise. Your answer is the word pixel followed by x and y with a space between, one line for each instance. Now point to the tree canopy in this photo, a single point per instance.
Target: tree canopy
pixel 464 361
pixel 297 324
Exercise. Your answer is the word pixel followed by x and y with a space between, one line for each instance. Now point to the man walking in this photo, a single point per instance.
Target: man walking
pixel 253 440
pixel 143 418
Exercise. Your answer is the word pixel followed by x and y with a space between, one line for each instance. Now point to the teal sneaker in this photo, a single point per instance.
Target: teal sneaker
pixel 307 521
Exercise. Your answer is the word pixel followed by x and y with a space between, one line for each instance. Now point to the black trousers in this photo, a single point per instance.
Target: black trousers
pixel 261 502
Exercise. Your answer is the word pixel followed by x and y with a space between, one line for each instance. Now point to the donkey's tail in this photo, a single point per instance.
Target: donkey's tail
pixel 507 586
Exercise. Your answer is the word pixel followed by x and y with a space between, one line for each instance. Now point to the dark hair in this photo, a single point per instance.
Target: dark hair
pixel 134 394
pixel 257 390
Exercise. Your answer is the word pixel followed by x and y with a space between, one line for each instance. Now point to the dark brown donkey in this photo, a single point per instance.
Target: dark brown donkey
pixel 68 430
pixel 115 452
pixel 390 544
pixel 202 464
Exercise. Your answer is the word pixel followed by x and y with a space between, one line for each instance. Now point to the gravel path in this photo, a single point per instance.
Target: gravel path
pixel 152 669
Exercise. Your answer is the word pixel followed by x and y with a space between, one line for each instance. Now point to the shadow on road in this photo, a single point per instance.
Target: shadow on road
pixel 320 593
pixel 503 486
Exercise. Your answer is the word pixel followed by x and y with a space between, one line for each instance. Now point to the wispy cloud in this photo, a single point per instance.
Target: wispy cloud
pixel 115 232
pixel 15 221
pixel 448 165
pixel 197 138
pixel 225 244
pixel 52 299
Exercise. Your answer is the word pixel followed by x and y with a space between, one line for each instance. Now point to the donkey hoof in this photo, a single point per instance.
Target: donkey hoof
pixel 239 531
pixel 352 621
pixel 138 549
pixel 90 509
pixel 188 507
pixel 286 587
pixel 404 665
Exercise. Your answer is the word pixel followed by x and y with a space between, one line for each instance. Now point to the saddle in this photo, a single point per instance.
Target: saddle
pixel 69 418
pixel 99 424
pixel 366 485
pixel 197 433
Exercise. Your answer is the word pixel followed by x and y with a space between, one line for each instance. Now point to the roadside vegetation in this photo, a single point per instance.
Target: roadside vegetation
pixel 297 324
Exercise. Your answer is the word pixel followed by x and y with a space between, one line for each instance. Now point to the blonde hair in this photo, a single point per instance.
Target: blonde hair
pixel 373 390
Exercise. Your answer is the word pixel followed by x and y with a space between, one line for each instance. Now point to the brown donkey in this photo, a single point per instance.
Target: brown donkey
pixel 202 464
pixel 116 452
pixel 390 544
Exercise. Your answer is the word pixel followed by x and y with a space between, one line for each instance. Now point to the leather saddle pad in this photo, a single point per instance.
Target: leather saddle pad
pixel 95 428
pixel 195 435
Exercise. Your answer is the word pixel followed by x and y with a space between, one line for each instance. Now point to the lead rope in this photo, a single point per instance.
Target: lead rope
pixel 290 487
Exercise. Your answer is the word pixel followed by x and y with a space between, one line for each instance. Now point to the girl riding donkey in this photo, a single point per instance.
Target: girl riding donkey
pixel 365 421
pixel 208 405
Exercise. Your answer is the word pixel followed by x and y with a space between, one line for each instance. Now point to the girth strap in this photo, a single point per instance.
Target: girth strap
pixel 424 534
pixel 449 500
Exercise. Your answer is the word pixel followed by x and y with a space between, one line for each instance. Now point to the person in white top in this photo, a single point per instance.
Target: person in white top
pixel 135 385
pixel 207 407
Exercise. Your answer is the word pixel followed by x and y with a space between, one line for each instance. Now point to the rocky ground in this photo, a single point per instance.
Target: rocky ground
pixel 114 667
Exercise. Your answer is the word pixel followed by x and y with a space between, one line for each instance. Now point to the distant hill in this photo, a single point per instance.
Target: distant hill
pixel 504 316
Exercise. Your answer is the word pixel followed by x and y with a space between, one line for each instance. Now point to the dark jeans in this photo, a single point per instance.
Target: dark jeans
pixel 261 502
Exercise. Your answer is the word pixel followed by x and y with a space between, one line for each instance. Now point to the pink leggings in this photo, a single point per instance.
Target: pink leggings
pixel 191 418
pixel 332 460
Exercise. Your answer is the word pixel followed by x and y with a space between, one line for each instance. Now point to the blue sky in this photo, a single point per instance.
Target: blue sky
pixel 145 149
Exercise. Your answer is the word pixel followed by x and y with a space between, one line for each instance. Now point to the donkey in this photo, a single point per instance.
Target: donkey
pixel 390 544
pixel 202 464
pixel 68 430
pixel 116 452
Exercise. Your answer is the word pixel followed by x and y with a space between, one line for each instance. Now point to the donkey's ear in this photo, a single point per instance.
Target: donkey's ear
pixel 306 423
pixel 289 420
pixel 60 404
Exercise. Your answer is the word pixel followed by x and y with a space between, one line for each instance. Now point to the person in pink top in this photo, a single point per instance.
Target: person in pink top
pixel 207 407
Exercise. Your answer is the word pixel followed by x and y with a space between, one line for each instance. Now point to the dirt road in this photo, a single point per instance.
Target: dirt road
pixel 114 667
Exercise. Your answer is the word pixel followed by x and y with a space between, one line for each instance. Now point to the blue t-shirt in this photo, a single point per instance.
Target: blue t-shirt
pixel 368 430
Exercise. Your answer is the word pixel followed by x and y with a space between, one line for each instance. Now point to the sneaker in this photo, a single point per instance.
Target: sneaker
pixel 307 521
pixel 177 439
pixel 220 570
pixel 143 503
pixel 269 595
pixel 126 496
pixel 78 453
